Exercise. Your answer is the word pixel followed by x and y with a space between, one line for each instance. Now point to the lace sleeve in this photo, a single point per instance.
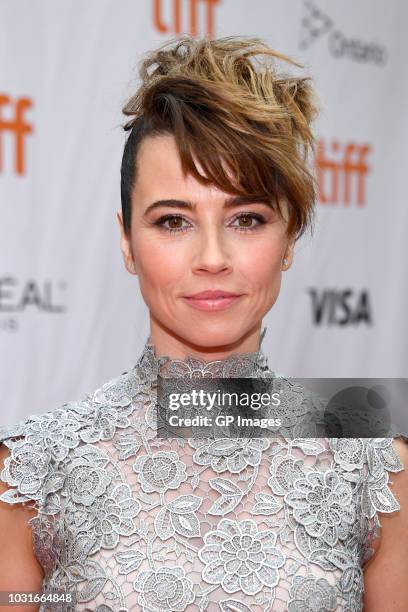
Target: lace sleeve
pixel 381 459
pixel 34 478
pixel 25 468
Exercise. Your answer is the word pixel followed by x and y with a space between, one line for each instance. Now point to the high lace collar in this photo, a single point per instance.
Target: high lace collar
pixel 253 364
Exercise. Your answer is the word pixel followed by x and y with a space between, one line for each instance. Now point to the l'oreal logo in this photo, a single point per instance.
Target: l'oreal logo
pixel 17 296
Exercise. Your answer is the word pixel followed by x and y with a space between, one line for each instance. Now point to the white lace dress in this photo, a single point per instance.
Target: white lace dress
pixel 127 521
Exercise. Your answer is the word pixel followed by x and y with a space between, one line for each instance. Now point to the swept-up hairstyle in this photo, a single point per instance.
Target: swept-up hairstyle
pixel 248 125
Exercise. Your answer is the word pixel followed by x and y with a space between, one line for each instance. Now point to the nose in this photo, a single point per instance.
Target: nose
pixel 211 252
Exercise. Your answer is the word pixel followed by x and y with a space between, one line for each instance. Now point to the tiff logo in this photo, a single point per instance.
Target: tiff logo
pixel 180 9
pixel 17 126
pixel 337 167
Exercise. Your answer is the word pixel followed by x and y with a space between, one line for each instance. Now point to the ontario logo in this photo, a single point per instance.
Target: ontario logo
pixel 316 24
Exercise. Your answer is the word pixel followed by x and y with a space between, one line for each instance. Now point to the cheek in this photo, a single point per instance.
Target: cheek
pixel 159 263
pixel 260 263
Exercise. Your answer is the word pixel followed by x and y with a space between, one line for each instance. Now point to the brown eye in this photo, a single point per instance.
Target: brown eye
pixel 248 221
pixel 245 221
pixel 175 222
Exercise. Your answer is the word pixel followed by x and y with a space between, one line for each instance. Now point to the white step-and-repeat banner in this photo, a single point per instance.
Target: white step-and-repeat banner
pixel 71 317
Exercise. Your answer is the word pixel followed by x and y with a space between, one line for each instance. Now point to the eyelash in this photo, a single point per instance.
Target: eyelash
pixel 261 221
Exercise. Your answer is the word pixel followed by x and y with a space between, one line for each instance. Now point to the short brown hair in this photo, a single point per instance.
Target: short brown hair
pixel 219 107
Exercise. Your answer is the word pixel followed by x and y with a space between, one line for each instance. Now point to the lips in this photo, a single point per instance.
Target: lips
pixel 212 300
pixel 212 295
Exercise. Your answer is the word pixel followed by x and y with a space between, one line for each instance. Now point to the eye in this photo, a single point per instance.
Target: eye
pixel 248 221
pixel 172 223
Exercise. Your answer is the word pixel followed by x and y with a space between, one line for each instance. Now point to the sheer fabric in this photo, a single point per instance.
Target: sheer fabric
pixel 128 521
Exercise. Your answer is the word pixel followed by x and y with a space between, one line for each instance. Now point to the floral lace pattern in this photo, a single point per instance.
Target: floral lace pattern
pixel 129 521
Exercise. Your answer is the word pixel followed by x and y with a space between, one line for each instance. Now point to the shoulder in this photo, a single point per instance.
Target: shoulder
pixel 400 445
pixel 399 482
pixel 42 459
pixel 397 463
pixel 19 567
pixel 39 446
pixel 384 456
pixel 385 574
pixel 36 446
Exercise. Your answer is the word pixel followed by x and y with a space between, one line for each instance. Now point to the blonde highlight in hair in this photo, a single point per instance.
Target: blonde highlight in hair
pixel 228 107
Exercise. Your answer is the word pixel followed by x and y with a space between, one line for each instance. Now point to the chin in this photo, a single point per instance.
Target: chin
pixel 213 336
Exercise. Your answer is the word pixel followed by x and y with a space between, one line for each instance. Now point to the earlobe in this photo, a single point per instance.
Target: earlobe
pixel 131 266
pixel 126 247
pixel 127 256
pixel 288 257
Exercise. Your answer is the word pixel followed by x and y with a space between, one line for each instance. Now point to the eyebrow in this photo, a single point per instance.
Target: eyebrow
pixel 188 205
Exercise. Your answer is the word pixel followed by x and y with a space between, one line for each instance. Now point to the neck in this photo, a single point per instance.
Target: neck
pixel 170 344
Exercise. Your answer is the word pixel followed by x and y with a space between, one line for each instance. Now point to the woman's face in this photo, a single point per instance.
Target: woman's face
pixel 201 243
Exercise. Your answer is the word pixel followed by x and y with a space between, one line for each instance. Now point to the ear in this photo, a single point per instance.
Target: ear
pixel 126 246
pixel 288 255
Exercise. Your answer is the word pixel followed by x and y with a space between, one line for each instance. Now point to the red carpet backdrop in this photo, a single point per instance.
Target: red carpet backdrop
pixel 70 316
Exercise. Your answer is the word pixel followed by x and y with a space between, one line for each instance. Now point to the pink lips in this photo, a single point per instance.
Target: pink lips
pixel 212 300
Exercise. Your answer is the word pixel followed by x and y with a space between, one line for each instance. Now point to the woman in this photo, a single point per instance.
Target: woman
pixel 215 192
